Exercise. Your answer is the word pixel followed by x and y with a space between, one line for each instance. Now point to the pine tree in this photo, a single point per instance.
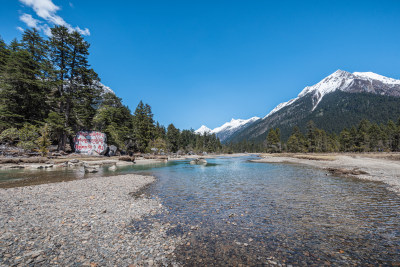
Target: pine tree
pixel 115 120
pixel 293 144
pixel 44 141
pixel 273 141
pixel 311 138
pixel 60 55
pixel 353 140
pixel 22 98
pixel 375 138
pixel 4 53
pixel 143 125
pixel 35 45
pixel 76 83
pixel 172 138
pixel 390 132
pixel 345 141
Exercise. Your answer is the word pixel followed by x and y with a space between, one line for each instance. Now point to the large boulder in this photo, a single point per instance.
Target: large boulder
pixel 198 161
pixel 112 151
pixel 127 158
pixel 90 142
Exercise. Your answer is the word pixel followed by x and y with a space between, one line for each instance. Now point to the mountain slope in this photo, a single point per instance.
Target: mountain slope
pixel 103 88
pixel 340 100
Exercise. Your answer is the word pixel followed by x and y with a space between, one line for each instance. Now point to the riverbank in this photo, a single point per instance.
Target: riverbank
pixel 382 167
pixel 35 171
pixel 76 160
pixel 82 222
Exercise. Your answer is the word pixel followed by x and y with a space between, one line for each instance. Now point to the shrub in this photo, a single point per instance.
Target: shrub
pixel 9 136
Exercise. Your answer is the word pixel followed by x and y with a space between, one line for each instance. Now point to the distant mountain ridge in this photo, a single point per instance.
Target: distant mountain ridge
pixel 357 82
pixel 226 130
pixel 343 98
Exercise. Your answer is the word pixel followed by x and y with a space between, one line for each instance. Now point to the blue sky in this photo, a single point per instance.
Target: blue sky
pixel 205 62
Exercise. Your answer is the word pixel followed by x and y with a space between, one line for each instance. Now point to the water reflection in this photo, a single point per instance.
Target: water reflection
pixel 258 214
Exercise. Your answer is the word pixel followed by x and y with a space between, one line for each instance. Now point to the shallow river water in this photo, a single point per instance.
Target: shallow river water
pixel 235 212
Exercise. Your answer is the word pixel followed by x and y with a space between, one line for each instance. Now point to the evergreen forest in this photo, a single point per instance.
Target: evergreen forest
pixel 49 92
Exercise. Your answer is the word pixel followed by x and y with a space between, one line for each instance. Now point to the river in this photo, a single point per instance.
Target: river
pixel 234 212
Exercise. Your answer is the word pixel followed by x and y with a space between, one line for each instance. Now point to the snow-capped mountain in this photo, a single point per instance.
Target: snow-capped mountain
pixel 203 129
pixel 340 100
pixel 367 82
pixel 227 129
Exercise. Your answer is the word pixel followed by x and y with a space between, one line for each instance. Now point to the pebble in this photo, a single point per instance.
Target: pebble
pixel 83 223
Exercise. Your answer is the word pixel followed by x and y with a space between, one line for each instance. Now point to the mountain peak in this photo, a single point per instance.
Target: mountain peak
pixel 228 128
pixel 203 129
pixel 340 72
pixel 343 81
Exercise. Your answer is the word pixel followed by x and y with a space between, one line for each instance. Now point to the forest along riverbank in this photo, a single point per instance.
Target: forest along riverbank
pixel 84 222
pixel 382 167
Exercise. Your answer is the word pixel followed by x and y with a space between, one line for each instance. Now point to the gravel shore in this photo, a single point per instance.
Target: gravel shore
pixel 82 223
pixel 359 166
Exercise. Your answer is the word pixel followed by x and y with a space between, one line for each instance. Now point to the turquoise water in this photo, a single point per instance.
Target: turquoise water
pixel 239 212
pixel 234 212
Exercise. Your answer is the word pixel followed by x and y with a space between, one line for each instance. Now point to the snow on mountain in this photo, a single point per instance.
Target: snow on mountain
pixel 227 129
pixel 374 76
pixel 280 106
pixel 203 129
pixel 105 89
pixel 347 82
pixel 233 125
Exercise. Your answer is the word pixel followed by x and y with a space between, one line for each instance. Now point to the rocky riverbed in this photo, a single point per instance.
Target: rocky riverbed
pixel 83 223
pixel 380 167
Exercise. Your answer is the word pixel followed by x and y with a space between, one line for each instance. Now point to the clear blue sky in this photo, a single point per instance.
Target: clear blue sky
pixel 205 62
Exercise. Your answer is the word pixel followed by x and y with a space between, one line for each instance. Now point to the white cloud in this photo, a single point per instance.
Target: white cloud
pixel 83 32
pixel 46 29
pixel 29 20
pixel 20 29
pixel 47 10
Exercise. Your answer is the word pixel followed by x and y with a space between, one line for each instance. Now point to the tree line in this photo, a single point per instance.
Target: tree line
pixel 48 92
pixel 364 137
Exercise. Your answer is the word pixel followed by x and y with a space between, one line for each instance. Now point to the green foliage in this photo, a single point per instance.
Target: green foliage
pixel 56 124
pixel 115 120
pixel 28 136
pixel 363 137
pixel 243 146
pixel 172 138
pixel 158 145
pixel 44 141
pixel 273 141
pixel 9 136
pixel 28 133
pixel 297 141
pixel 143 125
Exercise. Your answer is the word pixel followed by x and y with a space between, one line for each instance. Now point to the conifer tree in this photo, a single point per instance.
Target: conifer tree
pixel 362 137
pixel 273 141
pixel 311 138
pixel 115 120
pixel 22 98
pixel 4 53
pixel 76 83
pixel 172 138
pixel 143 125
